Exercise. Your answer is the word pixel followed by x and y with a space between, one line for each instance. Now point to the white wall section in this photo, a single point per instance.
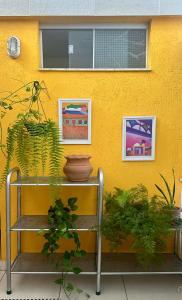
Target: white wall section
pixel 31 8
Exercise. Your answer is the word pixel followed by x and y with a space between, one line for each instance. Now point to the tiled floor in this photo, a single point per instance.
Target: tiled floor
pixel 154 287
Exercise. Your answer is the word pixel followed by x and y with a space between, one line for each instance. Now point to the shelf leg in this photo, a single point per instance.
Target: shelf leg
pixel 99 242
pixel 8 235
pixel 176 242
pixel 18 217
pixel 180 245
pixel 99 238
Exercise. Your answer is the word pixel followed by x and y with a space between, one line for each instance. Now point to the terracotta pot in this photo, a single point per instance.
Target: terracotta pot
pixel 78 167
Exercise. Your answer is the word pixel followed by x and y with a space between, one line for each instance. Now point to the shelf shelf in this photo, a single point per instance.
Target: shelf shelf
pixel 37 222
pixel 37 263
pixel 46 181
pixel 112 264
pixel 126 264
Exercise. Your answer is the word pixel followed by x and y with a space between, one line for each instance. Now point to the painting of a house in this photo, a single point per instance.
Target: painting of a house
pixel 139 138
pixel 75 121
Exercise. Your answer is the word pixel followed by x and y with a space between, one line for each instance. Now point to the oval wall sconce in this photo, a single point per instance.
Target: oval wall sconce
pixel 13 46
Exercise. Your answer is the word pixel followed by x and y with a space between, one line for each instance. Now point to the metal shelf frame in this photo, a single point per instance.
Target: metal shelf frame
pixel 112 264
pixel 24 263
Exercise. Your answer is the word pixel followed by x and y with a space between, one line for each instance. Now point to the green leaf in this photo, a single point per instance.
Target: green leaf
pixel 66 255
pixel 71 203
pixel 67 235
pixel 161 191
pixel 80 253
pixel 74 217
pixel 76 238
pixel 168 189
pixel 77 270
pixel 174 184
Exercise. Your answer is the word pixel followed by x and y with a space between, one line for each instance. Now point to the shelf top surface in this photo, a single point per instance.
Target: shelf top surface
pixel 46 181
pixel 38 222
pixel 112 264
pixel 39 263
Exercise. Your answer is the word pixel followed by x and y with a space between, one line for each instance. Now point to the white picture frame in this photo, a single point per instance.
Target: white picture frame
pixel 75 120
pixel 138 138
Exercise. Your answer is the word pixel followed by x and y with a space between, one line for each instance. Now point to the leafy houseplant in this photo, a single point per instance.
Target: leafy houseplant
pixel 61 220
pixel 133 213
pixel 169 198
pixel 31 96
pixel 33 139
pixel 34 143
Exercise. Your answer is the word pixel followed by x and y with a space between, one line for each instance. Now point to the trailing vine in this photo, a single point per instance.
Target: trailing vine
pixel 61 220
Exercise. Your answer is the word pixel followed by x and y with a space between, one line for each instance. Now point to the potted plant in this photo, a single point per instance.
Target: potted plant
pixel 34 142
pixel 167 195
pixel 32 138
pixel 134 213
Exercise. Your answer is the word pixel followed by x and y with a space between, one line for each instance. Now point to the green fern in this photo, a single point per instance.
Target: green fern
pixel 55 149
pixel 133 213
pixel 35 145
pixel 11 138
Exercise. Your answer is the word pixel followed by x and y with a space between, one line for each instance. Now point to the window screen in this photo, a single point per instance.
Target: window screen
pixel 120 48
pixel 99 48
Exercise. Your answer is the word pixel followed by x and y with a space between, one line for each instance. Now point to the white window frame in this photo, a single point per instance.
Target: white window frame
pixel 94 27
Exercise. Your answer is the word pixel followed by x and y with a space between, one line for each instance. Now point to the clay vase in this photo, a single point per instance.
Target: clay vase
pixel 78 167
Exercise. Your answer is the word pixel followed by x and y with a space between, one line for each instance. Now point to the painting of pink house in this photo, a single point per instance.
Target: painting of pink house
pixel 75 121
pixel 139 138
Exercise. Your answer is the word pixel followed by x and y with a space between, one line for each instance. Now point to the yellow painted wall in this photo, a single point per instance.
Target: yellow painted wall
pixel 114 94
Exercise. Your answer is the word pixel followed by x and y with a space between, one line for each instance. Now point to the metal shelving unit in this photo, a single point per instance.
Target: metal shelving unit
pixel 112 264
pixel 36 263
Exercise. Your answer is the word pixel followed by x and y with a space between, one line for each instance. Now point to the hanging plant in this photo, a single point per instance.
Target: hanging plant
pixel 34 144
pixel 33 139
pixel 26 95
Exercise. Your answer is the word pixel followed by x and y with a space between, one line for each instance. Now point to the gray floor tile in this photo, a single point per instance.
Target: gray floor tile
pixel 156 287
pixel 112 288
pixel 30 286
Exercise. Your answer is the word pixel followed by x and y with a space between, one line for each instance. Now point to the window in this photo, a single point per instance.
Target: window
pixel 120 48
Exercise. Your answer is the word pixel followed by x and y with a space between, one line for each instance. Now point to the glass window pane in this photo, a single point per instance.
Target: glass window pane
pixel 81 49
pixel 120 48
pixel 67 48
pixel 137 48
pixel 55 48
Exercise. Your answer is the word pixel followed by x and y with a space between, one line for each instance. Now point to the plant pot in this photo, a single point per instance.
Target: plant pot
pixel 78 167
pixel 175 212
pixel 35 129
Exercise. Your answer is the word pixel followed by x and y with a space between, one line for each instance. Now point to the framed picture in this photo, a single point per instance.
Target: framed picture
pixel 75 121
pixel 139 138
